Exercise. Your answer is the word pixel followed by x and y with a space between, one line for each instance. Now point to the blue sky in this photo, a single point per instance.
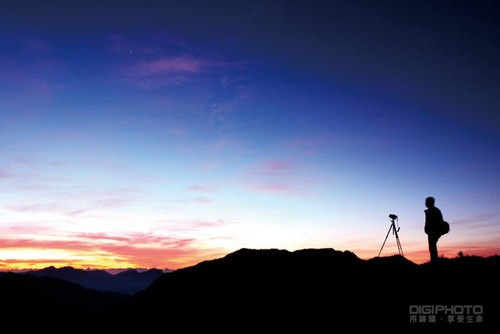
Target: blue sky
pixel 165 133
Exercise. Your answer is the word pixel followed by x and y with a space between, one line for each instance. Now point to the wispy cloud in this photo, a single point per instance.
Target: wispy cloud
pixel 195 225
pixel 273 168
pixel 99 249
pixel 479 221
pixel 47 243
pixel 210 223
pixel 272 176
pixel 200 188
pixel 310 145
pixel 203 200
pixel 4 175
pixel 76 202
pixel 34 76
pixel 195 200
pixel 270 187
pixel 168 65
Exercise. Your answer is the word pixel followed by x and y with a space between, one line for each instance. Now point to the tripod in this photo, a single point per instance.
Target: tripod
pixel 395 232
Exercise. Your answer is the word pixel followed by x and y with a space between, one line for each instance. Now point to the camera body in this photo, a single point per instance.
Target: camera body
pixel 393 216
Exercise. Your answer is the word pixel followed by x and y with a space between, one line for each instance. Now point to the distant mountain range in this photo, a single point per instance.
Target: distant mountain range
pixel 127 282
pixel 272 290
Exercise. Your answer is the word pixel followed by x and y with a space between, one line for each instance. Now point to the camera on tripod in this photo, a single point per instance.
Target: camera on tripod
pixel 395 231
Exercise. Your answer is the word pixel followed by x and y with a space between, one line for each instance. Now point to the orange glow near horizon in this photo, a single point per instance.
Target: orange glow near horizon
pixel 175 244
pixel 26 258
pixel 32 258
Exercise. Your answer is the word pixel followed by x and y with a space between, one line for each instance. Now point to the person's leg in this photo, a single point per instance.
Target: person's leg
pixel 433 247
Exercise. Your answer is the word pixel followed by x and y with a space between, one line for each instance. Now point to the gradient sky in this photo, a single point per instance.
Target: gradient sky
pixel 165 133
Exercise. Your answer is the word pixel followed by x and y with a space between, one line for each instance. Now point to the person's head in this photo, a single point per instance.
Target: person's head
pixel 429 202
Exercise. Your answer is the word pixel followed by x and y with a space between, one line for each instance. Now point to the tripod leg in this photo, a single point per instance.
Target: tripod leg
pixel 400 248
pixel 385 240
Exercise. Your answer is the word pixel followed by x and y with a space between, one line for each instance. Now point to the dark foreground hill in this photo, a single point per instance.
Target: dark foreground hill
pixel 29 304
pixel 316 290
pixel 127 282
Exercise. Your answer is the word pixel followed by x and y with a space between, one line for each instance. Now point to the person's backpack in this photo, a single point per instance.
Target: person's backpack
pixel 443 227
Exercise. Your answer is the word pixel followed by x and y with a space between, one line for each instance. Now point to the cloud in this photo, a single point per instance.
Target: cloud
pixel 47 243
pixel 273 168
pixel 152 73
pixel 200 188
pixel 272 176
pixel 34 76
pixel 210 223
pixel 195 200
pixel 94 241
pixel 4 175
pixel 271 187
pixel 102 237
pixel 485 220
pixel 182 227
pixel 202 200
pixel 100 249
pixel 168 65
pixel 306 146
pixel 75 203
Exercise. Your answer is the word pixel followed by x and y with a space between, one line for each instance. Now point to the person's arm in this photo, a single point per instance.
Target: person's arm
pixel 439 215
pixel 426 223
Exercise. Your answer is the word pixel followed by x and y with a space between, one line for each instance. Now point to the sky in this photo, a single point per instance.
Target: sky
pixel 165 133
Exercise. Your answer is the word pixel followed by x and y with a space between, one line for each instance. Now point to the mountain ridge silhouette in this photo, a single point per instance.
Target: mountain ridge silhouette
pixel 311 289
pixel 314 290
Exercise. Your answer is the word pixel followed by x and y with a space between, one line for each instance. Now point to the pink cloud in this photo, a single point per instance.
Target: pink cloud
pixel 272 168
pixel 306 146
pixel 200 188
pixel 195 200
pixel 93 241
pixel 202 200
pixel 30 77
pixel 102 237
pixel 487 220
pixel 4 175
pixel 272 187
pixel 141 249
pixel 276 166
pixel 273 176
pixel 166 65
pixel 45 244
pixel 197 225
pixel 76 203
pixel 209 224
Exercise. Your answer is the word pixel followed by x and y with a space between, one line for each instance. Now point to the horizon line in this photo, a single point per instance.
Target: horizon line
pixel 116 270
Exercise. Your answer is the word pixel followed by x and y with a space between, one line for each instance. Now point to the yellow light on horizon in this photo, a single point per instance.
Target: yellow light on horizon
pixel 22 258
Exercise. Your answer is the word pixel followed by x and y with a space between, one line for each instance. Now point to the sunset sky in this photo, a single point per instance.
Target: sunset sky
pixel 164 133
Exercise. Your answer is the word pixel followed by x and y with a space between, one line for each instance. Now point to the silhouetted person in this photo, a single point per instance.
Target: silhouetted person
pixel 433 218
